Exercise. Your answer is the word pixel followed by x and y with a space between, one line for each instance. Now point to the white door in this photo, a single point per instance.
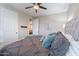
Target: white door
pixel 35 26
pixel 9 26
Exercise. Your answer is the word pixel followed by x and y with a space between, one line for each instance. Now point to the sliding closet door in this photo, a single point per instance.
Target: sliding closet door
pixel 9 26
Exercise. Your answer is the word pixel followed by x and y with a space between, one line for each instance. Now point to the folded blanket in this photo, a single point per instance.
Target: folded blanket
pixel 60 45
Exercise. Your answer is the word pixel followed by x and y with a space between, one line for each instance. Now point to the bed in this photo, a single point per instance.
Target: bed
pixel 32 46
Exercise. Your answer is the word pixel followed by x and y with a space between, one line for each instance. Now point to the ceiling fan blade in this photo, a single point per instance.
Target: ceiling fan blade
pixel 28 7
pixel 33 3
pixel 38 4
pixel 42 7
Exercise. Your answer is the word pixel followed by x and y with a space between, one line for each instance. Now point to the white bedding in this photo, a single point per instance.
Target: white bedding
pixel 74 46
pixel 73 49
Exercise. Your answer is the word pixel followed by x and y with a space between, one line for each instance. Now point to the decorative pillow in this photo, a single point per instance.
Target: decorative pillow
pixel 48 40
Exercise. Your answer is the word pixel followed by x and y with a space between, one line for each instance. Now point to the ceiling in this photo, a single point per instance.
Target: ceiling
pixel 52 8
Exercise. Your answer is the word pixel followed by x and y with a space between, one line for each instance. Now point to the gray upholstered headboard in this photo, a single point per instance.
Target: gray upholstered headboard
pixel 72 28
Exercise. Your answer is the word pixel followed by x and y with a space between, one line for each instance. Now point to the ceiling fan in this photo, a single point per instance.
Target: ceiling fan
pixel 36 6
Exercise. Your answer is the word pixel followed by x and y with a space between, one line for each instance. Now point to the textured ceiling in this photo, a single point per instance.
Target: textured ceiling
pixel 52 8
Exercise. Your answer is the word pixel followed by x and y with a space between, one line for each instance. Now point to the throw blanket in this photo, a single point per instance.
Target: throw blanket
pixel 30 46
pixel 60 45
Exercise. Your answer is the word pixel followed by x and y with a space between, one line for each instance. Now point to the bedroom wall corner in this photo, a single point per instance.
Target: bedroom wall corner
pixel 12 19
pixel 23 21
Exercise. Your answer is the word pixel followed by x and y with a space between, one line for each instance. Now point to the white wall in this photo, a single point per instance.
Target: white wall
pixel 52 23
pixel 8 26
pixel 1 34
pixel 8 19
pixel 23 20
pixel 73 11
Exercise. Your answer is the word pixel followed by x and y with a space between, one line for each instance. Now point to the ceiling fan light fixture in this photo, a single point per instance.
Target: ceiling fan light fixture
pixel 36 7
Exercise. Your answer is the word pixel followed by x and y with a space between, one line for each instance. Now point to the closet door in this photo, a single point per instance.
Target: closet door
pixel 9 26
